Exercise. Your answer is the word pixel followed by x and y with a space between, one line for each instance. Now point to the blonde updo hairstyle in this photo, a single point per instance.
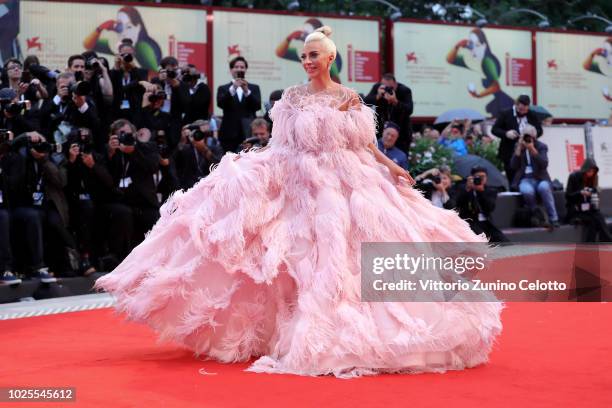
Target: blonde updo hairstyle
pixel 322 34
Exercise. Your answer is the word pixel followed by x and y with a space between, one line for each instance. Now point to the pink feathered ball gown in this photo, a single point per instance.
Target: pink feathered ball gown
pixel 261 259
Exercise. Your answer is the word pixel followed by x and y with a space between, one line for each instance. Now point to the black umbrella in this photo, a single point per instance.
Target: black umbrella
pixel 464 164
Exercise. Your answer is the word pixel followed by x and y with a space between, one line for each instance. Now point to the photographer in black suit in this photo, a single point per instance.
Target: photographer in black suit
pixel 70 107
pixel 476 202
pixel 199 107
pixel 134 207
pixel 240 101
pixel 193 159
pixel 509 126
pixel 393 102
pixel 129 83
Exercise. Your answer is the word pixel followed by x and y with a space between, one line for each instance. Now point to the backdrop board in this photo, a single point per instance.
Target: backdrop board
pixel 272 43
pixel 602 152
pixel 53 31
pixel 453 66
pixel 566 150
pixel 574 74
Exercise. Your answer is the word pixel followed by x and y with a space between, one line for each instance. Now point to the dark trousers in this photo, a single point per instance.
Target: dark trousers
pixel 85 224
pixel 510 172
pixel 29 221
pixel 595 225
pixel 40 227
pixel 490 230
pixel 6 255
pixel 127 226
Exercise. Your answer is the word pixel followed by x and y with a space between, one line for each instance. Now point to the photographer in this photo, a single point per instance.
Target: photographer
pixel 529 163
pixel 436 184
pixel 509 126
pixel 177 92
pixel 165 180
pixel 386 144
pixel 129 83
pixel 260 134
pixel 240 101
pixel 11 112
pixel 97 74
pixel 134 207
pixel 476 202
pixel 71 107
pixel 7 162
pixel 582 202
pixel 393 103
pixel 453 136
pixel 152 117
pixel 199 106
pixel 27 87
pixel 193 160
pixel 39 206
pixel 89 182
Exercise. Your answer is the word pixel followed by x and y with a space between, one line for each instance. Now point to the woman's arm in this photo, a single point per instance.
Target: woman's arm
pixel 395 170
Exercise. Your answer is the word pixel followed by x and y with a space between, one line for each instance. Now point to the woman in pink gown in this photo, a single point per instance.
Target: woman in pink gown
pixel 261 259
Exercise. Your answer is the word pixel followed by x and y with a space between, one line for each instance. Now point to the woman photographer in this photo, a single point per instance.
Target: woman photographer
pixel 582 201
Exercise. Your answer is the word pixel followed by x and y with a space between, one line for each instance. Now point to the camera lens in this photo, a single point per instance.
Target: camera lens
pixel 127 57
pixel 171 74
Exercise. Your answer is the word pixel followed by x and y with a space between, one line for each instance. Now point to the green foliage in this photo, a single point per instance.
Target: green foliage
pixel 487 151
pixel 426 154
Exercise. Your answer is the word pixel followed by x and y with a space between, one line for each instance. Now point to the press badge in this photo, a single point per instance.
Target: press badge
pixel 585 207
pixel 125 104
pixel 37 197
pixel 84 197
pixel 125 182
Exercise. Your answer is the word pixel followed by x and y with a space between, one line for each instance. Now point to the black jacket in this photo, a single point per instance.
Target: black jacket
pixel 131 91
pixel 191 168
pixel 140 167
pixel 539 164
pixel 52 115
pixel 575 184
pixel 400 113
pixel 237 115
pixel 96 182
pixel 471 203
pixel 508 121
pixel 199 105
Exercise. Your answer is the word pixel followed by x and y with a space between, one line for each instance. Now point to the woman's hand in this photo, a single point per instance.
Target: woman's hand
pixel 397 172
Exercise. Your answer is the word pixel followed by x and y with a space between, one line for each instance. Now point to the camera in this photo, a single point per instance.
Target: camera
pixel 157 96
pixel 81 88
pixel 389 90
pixel 240 74
pixel 127 139
pixel 187 78
pixel 78 76
pixel 436 179
pixel 477 180
pixel 92 64
pixel 171 74
pixel 12 108
pixel 197 134
pixel 527 138
pixel 127 57
pixel 43 147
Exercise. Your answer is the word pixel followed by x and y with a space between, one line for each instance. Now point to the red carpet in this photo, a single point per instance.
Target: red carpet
pixel 550 355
